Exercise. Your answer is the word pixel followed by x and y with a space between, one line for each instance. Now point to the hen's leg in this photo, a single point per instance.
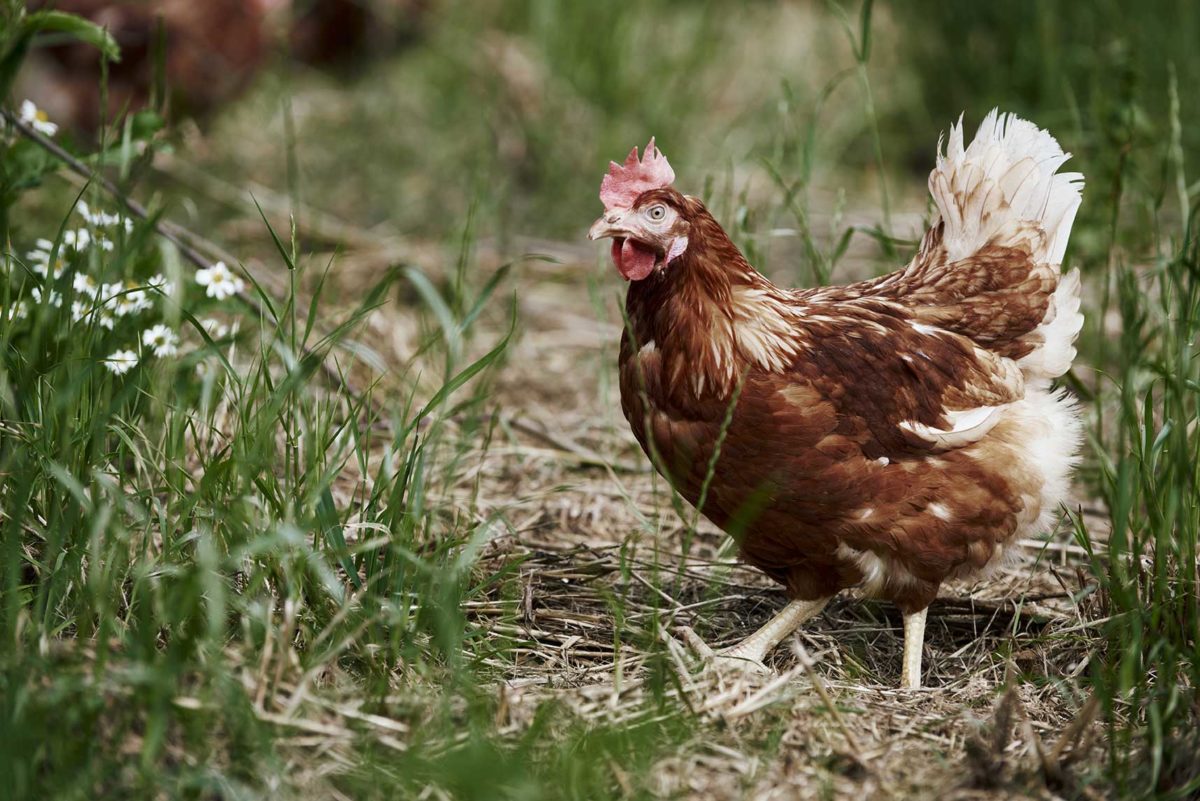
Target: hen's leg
pixel 914 640
pixel 749 653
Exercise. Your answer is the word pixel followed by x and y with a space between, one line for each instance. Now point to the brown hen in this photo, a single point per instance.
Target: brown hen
pixel 888 435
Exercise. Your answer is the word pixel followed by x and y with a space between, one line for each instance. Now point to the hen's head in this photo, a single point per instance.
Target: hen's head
pixel 645 218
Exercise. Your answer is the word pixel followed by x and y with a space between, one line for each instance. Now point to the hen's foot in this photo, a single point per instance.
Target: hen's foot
pixel 747 656
pixel 737 659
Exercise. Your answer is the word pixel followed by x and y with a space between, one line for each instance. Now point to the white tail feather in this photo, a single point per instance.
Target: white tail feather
pixel 1058 332
pixel 995 190
pixel 1006 176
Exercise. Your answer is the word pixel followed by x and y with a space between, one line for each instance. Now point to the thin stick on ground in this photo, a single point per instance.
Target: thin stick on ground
pixel 819 686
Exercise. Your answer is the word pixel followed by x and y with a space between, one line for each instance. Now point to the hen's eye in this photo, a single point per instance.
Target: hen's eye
pixel 657 213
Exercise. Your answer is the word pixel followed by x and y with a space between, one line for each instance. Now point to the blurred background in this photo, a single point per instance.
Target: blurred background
pixel 406 117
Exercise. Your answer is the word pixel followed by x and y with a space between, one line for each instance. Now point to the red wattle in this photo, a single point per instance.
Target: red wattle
pixel 634 260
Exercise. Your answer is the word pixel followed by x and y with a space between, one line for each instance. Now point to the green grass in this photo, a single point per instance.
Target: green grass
pixel 203 556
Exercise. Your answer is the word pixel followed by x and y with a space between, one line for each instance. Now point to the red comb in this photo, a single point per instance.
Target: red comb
pixel 625 182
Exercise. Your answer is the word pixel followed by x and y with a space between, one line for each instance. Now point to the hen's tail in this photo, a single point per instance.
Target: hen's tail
pixel 1005 178
pixel 1004 184
pixel 990 268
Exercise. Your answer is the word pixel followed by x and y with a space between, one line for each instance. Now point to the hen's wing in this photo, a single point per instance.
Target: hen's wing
pixel 898 385
pixel 997 296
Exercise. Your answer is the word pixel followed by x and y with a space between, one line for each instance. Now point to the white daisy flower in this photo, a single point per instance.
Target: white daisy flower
pixel 103 219
pixel 161 339
pixel 124 299
pixel 52 297
pixel 72 241
pixel 79 239
pixel 121 361
pixel 85 285
pixel 219 281
pixel 214 328
pixel 81 311
pixel 85 211
pixel 40 262
pixel 109 292
pixel 129 300
pixel 17 312
pixel 37 119
pixel 106 296
pixel 159 282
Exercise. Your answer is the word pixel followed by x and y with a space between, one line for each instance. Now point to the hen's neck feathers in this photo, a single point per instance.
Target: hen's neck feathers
pixel 710 315
pixel 711 267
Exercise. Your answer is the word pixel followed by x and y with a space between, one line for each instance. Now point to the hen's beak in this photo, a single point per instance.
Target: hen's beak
pixel 608 225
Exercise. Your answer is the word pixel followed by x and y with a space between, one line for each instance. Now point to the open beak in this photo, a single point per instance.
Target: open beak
pixel 608 226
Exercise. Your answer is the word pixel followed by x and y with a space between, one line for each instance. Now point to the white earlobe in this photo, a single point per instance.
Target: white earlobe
pixel 678 246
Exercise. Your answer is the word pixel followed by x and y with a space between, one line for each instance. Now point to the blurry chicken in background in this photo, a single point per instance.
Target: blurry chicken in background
pixel 211 50
pixel 337 33
pixel 888 435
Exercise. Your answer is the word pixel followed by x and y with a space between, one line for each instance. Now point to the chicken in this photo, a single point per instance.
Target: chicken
pixel 888 435
pixel 212 50
pixel 337 33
